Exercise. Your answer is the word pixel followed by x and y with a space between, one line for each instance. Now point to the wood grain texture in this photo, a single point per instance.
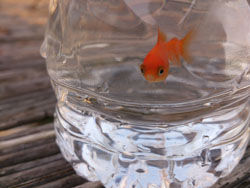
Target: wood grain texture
pixel 29 156
pixel 90 185
pixel 66 182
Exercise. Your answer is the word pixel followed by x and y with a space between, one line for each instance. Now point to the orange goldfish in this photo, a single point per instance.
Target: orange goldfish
pixel 155 66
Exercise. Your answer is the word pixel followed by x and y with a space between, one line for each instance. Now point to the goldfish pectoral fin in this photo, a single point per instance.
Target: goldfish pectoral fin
pixel 176 61
pixel 161 36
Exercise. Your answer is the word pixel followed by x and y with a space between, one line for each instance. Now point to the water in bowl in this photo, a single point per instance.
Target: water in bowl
pixel 114 126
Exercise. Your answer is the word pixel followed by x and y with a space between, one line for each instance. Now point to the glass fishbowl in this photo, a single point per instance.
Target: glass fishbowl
pixel 151 93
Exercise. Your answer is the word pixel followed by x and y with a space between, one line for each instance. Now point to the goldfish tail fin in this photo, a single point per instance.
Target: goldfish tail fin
pixel 185 46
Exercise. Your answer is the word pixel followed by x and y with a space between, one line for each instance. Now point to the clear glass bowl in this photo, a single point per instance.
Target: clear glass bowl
pixel 114 126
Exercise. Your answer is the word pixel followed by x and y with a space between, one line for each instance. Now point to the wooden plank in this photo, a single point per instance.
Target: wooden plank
pixel 22 19
pixel 28 116
pixel 38 175
pixel 66 182
pixel 34 107
pixel 243 182
pixel 23 101
pixel 90 185
pixel 24 130
pixel 26 155
pixel 29 165
pixel 25 139
pixel 24 87
pixel 16 63
pixel 27 146
pixel 17 76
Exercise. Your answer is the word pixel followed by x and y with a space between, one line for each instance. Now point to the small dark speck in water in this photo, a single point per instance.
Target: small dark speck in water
pixel 140 170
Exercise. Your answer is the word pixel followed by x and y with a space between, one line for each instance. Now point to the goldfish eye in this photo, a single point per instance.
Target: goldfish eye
pixel 161 71
pixel 142 70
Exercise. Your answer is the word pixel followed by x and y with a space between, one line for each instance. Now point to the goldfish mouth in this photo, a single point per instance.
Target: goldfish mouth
pixel 152 78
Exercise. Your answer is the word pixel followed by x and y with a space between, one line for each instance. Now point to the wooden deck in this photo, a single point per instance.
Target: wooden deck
pixel 29 156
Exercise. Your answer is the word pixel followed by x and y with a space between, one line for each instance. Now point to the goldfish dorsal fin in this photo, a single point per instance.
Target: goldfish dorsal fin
pixel 161 36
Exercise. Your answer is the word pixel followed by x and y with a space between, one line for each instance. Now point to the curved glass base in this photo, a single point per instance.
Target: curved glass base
pixel 191 156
